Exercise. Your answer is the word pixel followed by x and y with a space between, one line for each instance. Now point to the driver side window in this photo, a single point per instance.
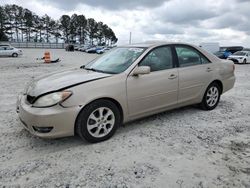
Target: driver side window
pixel 158 59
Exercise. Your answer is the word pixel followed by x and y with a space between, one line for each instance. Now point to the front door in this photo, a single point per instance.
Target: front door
pixel 156 90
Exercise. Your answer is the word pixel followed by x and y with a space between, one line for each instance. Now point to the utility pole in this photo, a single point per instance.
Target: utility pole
pixel 130 36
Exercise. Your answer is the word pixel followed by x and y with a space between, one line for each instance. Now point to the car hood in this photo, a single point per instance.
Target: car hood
pixel 236 56
pixel 62 80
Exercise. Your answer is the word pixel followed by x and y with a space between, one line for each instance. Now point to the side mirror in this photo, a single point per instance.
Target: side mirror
pixel 141 70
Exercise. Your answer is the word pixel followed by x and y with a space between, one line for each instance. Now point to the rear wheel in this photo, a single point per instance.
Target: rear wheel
pixel 14 55
pixel 98 121
pixel 211 97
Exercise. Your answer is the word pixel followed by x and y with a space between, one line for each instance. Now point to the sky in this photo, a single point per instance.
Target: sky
pixel 194 21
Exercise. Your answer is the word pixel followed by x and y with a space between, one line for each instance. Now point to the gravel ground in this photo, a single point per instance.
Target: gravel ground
pixel 186 147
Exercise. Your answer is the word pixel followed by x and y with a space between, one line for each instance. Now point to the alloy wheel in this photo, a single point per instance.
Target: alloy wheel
pixel 212 96
pixel 100 122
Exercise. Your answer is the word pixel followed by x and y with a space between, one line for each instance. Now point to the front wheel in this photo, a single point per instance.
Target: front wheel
pixel 245 61
pixel 211 97
pixel 98 121
pixel 14 55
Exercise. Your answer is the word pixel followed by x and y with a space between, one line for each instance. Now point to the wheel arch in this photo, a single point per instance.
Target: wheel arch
pixel 14 54
pixel 119 106
pixel 220 84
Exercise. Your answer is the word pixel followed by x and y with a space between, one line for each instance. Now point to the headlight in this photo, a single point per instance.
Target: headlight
pixel 52 99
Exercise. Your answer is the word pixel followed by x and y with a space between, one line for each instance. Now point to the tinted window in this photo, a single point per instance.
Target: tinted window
pixel 188 56
pixel 158 59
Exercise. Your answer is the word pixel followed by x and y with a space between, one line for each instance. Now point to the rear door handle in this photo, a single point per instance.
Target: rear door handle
pixel 172 76
pixel 209 69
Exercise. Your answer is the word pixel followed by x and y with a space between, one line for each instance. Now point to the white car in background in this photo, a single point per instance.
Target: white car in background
pixel 241 57
pixel 103 50
pixel 7 50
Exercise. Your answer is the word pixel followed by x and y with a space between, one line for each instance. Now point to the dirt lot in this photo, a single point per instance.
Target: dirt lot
pixel 186 147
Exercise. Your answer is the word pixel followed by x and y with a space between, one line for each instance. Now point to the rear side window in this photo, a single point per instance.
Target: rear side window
pixel 158 59
pixel 188 56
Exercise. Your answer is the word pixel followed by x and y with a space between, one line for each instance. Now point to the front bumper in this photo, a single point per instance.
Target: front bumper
pixel 236 60
pixel 60 120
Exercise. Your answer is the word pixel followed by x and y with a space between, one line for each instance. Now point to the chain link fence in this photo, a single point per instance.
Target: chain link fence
pixel 36 45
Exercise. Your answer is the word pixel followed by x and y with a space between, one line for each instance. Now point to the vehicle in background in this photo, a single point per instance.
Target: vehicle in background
pixel 7 50
pixel 211 47
pixel 76 47
pixel 241 57
pixel 101 51
pixel 223 54
pixel 70 48
pixel 83 48
pixel 94 49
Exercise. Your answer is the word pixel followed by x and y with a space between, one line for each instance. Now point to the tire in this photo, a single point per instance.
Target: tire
pixel 14 55
pixel 98 121
pixel 244 61
pixel 211 97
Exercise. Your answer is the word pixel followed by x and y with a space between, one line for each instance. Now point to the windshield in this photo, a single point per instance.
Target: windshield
pixel 115 61
pixel 223 48
pixel 240 53
pixel 219 53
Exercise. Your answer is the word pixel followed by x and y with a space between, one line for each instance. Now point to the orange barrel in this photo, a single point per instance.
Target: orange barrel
pixel 47 57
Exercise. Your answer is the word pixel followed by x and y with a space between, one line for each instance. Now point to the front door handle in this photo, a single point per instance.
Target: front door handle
pixel 209 69
pixel 172 76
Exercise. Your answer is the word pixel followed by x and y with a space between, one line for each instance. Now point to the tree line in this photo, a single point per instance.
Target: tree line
pixel 22 25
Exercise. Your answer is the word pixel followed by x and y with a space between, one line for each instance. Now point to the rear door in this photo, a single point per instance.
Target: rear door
pixel 156 90
pixel 9 51
pixel 195 73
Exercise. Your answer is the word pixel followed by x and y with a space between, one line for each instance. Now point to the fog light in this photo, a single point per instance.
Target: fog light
pixel 42 129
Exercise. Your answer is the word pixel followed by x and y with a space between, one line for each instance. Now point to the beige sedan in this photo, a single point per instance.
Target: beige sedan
pixel 125 84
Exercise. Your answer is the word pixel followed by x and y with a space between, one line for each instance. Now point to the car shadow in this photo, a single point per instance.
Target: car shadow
pixel 169 115
pixel 75 141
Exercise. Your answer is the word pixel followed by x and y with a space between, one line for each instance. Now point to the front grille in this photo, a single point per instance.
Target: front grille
pixel 234 60
pixel 30 99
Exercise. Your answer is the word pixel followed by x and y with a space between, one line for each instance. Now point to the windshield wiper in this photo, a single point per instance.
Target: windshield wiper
pixel 96 70
pixel 91 69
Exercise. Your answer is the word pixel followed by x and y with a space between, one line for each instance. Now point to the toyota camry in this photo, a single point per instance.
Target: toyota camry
pixel 125 84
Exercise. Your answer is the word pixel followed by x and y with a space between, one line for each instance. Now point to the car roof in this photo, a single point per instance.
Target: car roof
pixel 150 44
